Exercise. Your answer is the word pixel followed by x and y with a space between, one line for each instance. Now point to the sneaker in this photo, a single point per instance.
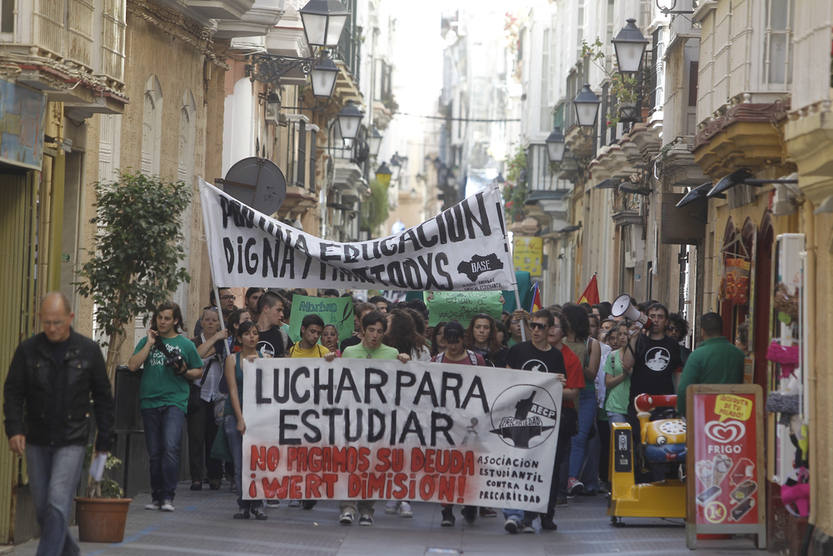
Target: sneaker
pixel 366 520
pixel 391 506
pixel 309 504
pixel 574 486
pixel 294 503
pixel 469 514
pixel 258 513
pixel 448 518
pixel 167 506
pixel 346 517
pixel 242 514
pixel 511 525
pixel 273 503
pixel 405 510
pixel 527 527
pixel 196 485
pixel 487 512
pixel 155 505
pixel 214 484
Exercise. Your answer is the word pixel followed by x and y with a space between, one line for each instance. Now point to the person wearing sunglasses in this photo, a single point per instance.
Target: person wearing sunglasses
pixel 535 354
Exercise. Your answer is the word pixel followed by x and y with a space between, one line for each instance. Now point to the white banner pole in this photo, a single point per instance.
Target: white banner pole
pixel 512 268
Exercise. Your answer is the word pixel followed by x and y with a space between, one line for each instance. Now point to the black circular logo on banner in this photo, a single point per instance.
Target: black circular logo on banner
pixel 533 420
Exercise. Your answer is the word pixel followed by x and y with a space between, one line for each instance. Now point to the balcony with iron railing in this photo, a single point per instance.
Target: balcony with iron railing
pixel 73 49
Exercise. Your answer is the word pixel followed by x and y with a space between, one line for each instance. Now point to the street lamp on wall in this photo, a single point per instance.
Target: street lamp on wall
pixel 349 119
pixel 587 106
pixel 630 45
pixel 323 21
pixel 383 174
pixel 323 78
pixel 374 141
pixel 555 145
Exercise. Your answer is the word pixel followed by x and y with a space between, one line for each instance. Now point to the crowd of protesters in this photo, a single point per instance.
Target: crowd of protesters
pixel 602 362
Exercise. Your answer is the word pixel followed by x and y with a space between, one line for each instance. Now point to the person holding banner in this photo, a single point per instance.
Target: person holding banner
pixel 535 355
pixel 212 348
pixel 455 352
pixel 234 424
pixel 374 325
pixel 359 311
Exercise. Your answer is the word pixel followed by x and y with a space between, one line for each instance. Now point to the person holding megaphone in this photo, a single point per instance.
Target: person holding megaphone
pixel 651 358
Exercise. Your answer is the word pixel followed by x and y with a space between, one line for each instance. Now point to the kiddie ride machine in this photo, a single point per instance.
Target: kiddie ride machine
pixel 662 450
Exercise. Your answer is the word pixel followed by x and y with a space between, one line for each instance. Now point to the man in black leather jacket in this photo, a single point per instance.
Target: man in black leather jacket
pixel 47 408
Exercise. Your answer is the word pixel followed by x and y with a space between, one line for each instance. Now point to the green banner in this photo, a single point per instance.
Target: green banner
pixel 462 306
pixel 333 310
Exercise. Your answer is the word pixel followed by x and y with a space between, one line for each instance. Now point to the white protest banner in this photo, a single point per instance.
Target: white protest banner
pixel 384 430
pixel 463 248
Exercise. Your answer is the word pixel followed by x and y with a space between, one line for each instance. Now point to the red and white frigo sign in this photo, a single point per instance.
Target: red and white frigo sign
pixel 726 453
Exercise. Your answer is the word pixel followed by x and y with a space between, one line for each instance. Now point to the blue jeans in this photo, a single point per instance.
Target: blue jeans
pixel 235 446
pixel 578 446
pixel 54 472
pixel 163 438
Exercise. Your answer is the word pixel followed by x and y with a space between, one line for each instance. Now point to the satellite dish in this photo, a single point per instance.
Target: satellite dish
pixel 256 182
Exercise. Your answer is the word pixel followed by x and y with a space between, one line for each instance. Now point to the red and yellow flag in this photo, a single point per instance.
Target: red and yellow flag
pixel 591 292
pixel 536 299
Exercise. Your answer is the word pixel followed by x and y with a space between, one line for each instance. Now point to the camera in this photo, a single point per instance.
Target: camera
pixel 173 357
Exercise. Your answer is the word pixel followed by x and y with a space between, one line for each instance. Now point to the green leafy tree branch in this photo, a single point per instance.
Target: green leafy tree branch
pixel 136 265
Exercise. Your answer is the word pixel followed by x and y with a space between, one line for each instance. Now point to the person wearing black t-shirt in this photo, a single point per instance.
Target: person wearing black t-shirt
pixel 653 359
pixel 272 341
pixel 536 355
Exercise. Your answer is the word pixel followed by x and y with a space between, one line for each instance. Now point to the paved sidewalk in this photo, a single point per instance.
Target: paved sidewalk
pixel 202 524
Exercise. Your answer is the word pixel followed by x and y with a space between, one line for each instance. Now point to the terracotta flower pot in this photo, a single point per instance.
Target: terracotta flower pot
pixel 101 519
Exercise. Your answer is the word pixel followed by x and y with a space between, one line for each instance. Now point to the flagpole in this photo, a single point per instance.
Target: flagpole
pixel 511 265
pixel 210 263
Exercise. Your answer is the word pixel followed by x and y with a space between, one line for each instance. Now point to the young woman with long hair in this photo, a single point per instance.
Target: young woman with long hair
pixel 481 337
pixel 235 425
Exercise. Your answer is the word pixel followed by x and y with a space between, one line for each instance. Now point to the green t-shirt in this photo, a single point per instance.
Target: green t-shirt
pixel 715 361
pixel 160 386
pixel 618 396
pixel 360 352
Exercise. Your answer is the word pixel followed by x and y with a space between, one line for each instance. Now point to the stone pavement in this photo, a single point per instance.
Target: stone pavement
pixel 202 524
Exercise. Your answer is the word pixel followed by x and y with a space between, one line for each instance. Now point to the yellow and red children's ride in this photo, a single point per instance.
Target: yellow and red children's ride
pixel 664 445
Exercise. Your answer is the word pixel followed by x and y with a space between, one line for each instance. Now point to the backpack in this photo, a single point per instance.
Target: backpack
pixel 472 357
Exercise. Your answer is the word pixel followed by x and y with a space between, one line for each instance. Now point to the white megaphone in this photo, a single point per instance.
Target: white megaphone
pixel 622 308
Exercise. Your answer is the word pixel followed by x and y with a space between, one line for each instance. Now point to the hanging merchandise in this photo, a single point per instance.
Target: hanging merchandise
pixel 734 286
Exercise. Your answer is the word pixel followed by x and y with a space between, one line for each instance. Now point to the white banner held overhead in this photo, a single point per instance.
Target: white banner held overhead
pixel 463 248
pixel 384 430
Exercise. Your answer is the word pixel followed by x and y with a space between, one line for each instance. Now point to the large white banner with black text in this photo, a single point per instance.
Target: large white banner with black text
pixel 463 248
pixel 374 429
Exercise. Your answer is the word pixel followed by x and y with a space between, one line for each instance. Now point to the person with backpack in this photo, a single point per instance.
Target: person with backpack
pixel 456 352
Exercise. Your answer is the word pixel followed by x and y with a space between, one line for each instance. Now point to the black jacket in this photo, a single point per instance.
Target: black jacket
pixel 32 391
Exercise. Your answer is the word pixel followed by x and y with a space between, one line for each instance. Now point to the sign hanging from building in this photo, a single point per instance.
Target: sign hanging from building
pixel 527 254
pixel 725 461
pixel 22 116
pixel 463 248
pixel 384 430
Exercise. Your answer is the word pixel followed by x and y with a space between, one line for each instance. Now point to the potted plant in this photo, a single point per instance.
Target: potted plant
pixel 102 514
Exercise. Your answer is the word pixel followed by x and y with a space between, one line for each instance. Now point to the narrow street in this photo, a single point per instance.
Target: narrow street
pixel 202 524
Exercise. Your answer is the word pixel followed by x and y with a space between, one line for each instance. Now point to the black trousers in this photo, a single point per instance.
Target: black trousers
pixel 201 432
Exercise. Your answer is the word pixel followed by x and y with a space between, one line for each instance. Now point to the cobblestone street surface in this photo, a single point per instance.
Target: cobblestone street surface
pixel 202 524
